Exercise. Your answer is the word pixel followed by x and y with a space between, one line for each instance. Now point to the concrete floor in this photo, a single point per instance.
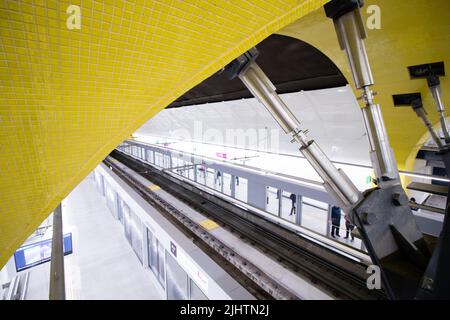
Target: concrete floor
pixel 103 265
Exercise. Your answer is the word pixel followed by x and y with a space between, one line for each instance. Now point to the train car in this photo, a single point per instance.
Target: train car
pixel 181 269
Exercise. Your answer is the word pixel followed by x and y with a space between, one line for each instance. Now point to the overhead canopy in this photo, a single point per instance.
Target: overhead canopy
pixel 291 64
pixel 69 96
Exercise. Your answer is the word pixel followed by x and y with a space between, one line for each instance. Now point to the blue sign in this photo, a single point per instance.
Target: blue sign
pixel 39 252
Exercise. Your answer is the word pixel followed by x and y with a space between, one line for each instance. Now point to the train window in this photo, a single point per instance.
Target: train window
pixel 183 168
pixel 218 181
pixel 314 215
pixel 177 280
pixel 136 235
pixel 156 257
pixel 178 166
pixel 289 206
pixel 166 159
pixel 201 174
pixel 240 188
pixel 111 198
pixel 210 178
pixel 158 159
pixel 99 183
pixel 162 273
pixel 195 292
pixel 127 222
pixel 120 209
pixel 175 164
pixel 272 200
pixel 227 181
pixel 190 170
pixel 150 156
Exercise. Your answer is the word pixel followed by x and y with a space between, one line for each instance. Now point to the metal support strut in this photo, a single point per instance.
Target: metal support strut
pixel 382 215
pixel 351 33
pixel 57 285
pixel 335 180
pixel 435 89
pixel 432 72
pixel 414 100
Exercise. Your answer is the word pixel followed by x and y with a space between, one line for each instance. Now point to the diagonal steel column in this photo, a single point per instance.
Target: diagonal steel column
pixel 57 285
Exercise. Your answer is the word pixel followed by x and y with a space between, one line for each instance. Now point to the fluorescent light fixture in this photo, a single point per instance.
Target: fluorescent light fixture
pixel 424 176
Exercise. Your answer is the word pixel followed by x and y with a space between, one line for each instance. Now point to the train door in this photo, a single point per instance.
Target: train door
pixel 315 215
pixel 218 180
pixel 210 178
pixel 127 222
pixel 272 200
pixel 111 200
pixel 227 184
pixel 289 206
pixel 156 257
pixel 201 173
pixel 149 156
pixel 121 203
pixel 177 280
pixel 240 188
pixel 136 235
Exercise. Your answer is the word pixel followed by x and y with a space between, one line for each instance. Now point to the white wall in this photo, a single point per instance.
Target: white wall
pixel 332 116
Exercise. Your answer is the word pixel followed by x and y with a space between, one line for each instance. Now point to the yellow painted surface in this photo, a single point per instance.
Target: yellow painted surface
pixel 68 97
pixel 154 187
pixel 412 32
pixel 209 224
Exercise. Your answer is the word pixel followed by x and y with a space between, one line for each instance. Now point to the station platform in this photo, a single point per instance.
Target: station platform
pixel 102 265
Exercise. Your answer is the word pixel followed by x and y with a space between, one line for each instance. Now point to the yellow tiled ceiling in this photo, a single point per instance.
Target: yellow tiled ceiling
pixel 69 96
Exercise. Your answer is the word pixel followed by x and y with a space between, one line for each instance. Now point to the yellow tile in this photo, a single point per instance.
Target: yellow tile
pixel 73 95
pixel 208 224
pixel 154 187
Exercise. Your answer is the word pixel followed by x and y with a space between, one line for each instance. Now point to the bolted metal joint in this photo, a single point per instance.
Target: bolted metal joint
pixel 369 218
pixel 337 8
pixel 399 199
pixel 240 64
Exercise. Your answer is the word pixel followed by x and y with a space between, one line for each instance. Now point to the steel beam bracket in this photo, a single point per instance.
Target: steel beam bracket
pixel 337 8
pixel 240 64
pixel 432 72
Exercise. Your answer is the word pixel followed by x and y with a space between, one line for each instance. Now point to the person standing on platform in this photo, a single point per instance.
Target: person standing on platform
pixel 335 220
pixel 349 226
pixel 293 197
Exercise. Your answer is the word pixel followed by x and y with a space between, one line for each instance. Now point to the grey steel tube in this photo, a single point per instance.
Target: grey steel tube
pixel 263 89
pixel 422 115
pixel 350 32
pixel 57 285
pixel 380 150
pixel 335 180
pixel 435 92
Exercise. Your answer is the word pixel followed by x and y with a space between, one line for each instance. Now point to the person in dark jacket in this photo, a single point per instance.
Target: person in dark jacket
pixel 349 226
pixel 293 197
pixel 335 220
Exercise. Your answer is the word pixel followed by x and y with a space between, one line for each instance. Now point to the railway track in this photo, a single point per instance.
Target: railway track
pixel 284 246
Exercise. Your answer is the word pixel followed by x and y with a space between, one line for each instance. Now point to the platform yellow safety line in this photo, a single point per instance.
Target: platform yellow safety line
pixel 208 224
pixel 154 187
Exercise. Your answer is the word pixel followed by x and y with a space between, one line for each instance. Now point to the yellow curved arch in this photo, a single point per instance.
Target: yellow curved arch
pixel 71 90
